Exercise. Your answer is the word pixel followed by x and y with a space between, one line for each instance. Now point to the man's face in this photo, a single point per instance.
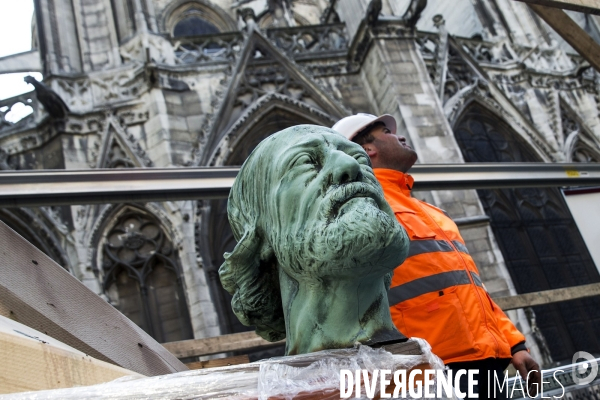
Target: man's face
pixel 331 216
pixel 392 150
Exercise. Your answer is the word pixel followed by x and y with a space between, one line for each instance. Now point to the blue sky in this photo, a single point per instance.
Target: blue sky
pixel 15 31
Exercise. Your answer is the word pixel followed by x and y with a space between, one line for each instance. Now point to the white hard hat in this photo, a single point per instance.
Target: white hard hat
pixel 352 125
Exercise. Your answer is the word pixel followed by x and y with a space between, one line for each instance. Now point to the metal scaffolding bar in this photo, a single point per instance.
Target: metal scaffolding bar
pixel 60 187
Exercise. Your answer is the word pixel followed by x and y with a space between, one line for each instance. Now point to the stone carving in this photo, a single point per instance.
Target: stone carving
pixel 316 243
pixel 373 11
pixel 54 215
pixel 458 75
pixel 148 47
pixel 327 68
pixel 54 105
pixel 204 49
pixel 14 113
pixel 441 56
pixel 121 149
pixel 480 91
pixel 427 44
pixel 29 141
pixel 77 93
pixel 579 143
pixel 237 132
pixel 314 47
pixel 584 154
pixel 489 52
pixel 308 41
pixel 259 80
pixel 124 85
pixel 413 12
pixel 5 162
pixel 550 59
pixel 261 70
pixel 133 116
pixel 117 157
pixel 281 12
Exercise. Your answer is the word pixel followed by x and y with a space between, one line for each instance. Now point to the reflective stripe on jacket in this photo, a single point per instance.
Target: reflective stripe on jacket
pixel 437 293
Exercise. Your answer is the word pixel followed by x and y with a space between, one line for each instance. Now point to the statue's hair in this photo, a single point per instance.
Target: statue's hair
pixel 250 272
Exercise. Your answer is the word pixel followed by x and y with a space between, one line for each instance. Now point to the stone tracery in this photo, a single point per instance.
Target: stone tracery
pixel 141 278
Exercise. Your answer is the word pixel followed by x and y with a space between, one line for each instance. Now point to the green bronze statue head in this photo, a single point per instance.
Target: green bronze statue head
pixel 317 243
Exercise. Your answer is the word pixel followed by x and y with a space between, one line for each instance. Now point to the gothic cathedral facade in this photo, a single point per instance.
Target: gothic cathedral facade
pixel 187 83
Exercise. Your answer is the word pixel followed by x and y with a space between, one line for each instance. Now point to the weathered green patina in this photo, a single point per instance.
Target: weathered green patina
pixel 317 243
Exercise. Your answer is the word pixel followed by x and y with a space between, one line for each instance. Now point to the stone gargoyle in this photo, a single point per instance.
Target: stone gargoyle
pixel 317 243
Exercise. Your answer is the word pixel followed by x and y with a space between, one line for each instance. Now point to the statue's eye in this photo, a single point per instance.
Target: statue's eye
pixel 302 159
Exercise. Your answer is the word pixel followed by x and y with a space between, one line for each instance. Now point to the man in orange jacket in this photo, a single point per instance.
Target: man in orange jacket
pixel 437 293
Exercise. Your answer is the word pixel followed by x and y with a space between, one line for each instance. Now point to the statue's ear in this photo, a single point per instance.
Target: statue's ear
pixel 249 273
pixel 242 263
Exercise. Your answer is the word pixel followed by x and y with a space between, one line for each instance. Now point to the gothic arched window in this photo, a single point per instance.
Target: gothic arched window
pixel 539 240
pixel 194 26
pixel 142 279
pixel 196 17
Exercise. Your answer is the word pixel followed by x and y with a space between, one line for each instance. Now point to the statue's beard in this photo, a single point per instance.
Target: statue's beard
pixel 360 240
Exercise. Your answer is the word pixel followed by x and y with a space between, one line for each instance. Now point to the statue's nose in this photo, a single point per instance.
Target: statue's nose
pixel 344 168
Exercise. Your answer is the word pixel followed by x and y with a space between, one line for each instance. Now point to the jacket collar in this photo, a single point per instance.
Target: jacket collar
pixel 402 180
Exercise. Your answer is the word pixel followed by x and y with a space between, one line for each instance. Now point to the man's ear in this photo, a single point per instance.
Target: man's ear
pixel 370 149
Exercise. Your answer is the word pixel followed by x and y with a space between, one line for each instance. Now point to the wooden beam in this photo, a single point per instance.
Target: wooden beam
pixel 251 341
pixel 548 296
pixel 571 32
pixel 32 360
pixel 219 362
pixel 39 293
pixel 219 344
pixel 584 6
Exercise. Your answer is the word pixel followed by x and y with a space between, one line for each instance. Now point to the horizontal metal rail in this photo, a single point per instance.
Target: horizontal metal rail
pixel 59 187
pixel 66 187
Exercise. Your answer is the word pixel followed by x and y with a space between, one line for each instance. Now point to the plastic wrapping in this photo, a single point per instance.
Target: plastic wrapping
pixel 289 377
pixel 307 376
pixel 235 382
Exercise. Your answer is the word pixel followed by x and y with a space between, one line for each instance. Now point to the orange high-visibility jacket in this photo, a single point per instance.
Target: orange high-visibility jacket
pixel 437 294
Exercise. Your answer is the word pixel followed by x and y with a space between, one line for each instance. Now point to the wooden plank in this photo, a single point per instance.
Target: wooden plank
pixel 570 32
pixel 219 344
pixel 584 6
pixel 406 348
pixel 219 362
pixel 34 361
pixel 548 296
pixel 251 341
pixel 39 293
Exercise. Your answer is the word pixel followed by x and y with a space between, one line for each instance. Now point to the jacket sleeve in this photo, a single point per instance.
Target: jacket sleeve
pixel 515 339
